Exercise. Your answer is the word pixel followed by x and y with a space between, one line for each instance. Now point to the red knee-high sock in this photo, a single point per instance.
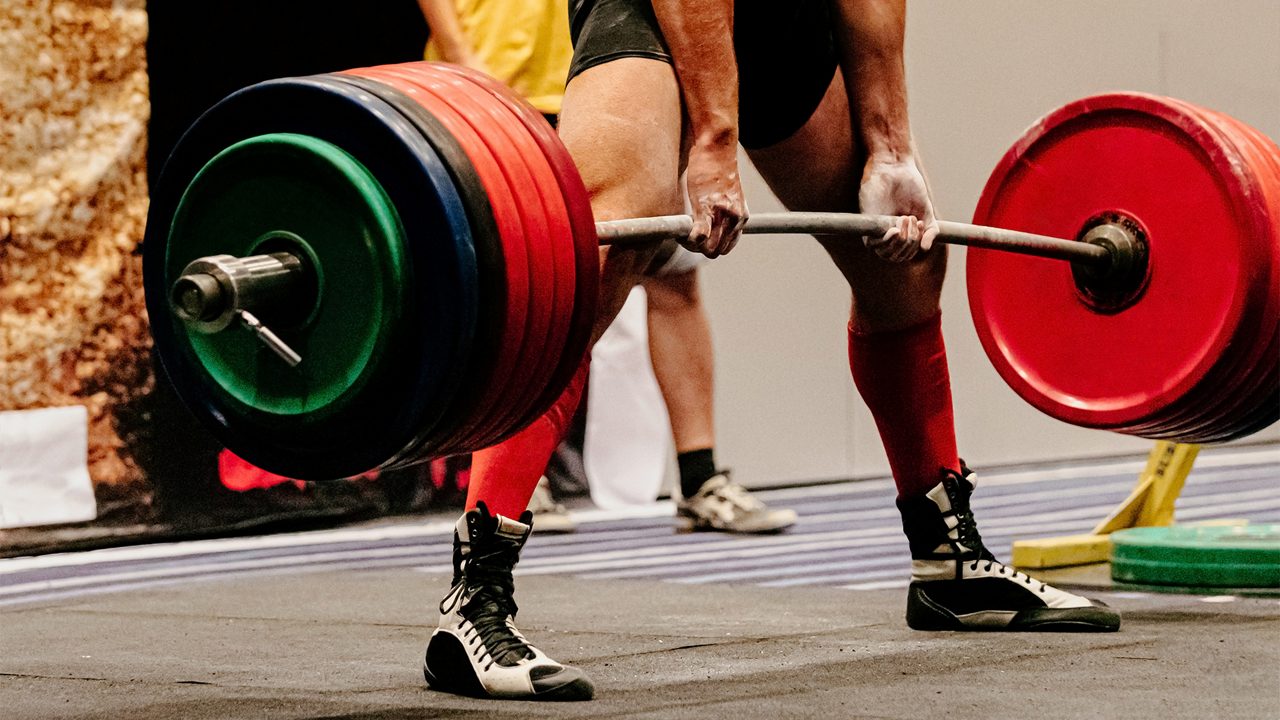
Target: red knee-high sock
pixel 504 475
pixel 902 376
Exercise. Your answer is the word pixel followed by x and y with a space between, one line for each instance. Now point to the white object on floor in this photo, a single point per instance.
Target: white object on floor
pixel 44 467
pixel 627 445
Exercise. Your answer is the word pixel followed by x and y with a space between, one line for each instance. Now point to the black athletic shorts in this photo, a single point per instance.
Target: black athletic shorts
pixel 786 55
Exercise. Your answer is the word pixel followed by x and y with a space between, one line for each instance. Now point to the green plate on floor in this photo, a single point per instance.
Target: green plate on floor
pixel 1198 556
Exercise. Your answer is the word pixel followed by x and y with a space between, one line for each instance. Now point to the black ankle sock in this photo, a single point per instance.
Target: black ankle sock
pixel 696 467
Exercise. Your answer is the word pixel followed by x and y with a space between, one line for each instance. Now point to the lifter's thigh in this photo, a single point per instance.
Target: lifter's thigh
pixel 621 122
pixel 819 168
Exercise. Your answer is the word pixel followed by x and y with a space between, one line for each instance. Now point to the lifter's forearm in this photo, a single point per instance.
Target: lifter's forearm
pixel 870 39
pixel 699 34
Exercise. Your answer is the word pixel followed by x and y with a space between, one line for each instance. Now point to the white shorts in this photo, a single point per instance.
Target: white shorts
pixel 678 262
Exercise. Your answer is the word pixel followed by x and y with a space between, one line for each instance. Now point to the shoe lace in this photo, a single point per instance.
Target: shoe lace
pixel 484 593
pixel 967 532
pixel 967 535
pixel 1016 575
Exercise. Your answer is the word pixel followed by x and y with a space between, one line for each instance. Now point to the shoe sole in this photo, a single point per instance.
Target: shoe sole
pixel 925 614
pixel 689 524
pixel 577 690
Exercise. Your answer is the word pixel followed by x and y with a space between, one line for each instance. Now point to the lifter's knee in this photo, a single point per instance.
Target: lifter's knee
pixel 621 269
pixel 673 292
pixel 891 296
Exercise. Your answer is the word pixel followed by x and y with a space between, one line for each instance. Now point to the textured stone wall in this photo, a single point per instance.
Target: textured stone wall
pixel 73 199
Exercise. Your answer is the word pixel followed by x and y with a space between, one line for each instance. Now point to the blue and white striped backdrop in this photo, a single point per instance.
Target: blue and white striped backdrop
pixel 848 535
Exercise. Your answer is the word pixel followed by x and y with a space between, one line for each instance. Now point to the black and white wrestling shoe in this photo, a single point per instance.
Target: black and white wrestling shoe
pixel 957 584
pixel 477 650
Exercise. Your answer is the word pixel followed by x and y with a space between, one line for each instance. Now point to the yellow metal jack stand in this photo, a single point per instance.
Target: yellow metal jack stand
pixel 1150 504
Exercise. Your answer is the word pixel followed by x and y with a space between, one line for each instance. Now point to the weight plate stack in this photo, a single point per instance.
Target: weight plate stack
pixel 438 278
pixel 1191 321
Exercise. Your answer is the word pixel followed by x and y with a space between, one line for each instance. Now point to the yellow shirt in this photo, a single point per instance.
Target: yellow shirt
pixel 524 43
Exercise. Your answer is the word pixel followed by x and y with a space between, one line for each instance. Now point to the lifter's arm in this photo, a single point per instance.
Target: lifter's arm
pixel 699 34
pixel 870 36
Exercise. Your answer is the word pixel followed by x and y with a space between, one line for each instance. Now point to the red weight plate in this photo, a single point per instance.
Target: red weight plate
pixel 1218 404
pixel 511 230
pixel 480 347
pixel 1267 414
pixel 1237 408
pixel 1209 416
pixel 526 378
pixel 586 243
pixel 510 146
pixel 1268 401
pixel 1250 401
pixel 563 246
pixel 1161 166
pixel 1268 154
pixel 1253 399
pixel 560 231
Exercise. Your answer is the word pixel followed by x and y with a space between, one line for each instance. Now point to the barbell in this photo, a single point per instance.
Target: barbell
pixel 377 267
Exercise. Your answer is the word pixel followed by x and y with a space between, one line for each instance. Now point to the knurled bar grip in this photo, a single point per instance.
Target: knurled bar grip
pixel 673 227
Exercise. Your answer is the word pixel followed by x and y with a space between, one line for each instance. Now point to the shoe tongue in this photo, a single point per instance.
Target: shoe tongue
pixel 713 483
pixel 964 486
pixel 509 529
pixel 461 529
pixel 939 497
pixel 481 524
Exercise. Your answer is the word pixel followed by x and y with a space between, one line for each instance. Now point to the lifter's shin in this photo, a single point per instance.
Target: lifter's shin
pixel 503 476
pixel 902 376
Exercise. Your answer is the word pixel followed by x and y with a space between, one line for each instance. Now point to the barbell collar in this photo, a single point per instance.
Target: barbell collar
pixel 211 290
pixel 214 291
pixel 674 227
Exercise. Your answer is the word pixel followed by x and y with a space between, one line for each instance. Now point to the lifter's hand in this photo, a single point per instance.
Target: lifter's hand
pixel 898 187
pixel 715 194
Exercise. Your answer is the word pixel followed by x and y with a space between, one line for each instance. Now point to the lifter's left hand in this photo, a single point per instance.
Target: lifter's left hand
pixel 896 186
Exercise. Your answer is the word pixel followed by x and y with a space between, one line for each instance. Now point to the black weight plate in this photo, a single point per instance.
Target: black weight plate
pixel 478 369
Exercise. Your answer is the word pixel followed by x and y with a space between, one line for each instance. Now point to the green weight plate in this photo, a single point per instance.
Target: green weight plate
pixel 1210 556
pixel 295 193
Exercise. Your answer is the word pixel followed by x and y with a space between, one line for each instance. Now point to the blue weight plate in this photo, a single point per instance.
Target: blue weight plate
pixel 480 361
pixel 441 273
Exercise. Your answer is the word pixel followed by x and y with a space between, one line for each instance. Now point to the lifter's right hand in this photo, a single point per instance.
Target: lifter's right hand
pixel 898 187
pixel 715 194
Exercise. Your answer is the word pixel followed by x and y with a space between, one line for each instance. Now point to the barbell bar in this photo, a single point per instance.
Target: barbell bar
pixel 1163 321
pixel 213 290
pixel 675 227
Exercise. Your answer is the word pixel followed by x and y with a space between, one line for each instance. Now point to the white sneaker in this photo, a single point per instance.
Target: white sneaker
pixel 723 506
pixel 477 650
pixel 957 584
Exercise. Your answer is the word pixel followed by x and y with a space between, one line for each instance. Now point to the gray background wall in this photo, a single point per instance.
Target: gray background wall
pixel 979 73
